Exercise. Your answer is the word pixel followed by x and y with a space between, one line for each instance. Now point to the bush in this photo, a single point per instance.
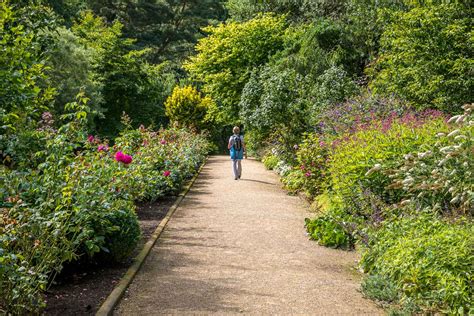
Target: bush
pixel 121 240
pixel 428 259
pixel 270 161
pixel 187 107
pixel 439 176
pixel 78 202
pixel 330 230
pixel 426 57
pixel 356 158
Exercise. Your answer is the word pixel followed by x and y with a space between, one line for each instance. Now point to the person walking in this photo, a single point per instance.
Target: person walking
pixel 237 151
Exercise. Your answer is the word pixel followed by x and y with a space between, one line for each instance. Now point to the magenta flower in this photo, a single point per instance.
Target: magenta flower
pixel 322 144
pixel 119 156
pixel 166 173
pixel 307 174
pixel 302 167
pixel 163 142
pixel 127 159
pixel 90 138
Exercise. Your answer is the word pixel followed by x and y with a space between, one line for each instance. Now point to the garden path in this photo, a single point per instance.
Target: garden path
pixel 240 247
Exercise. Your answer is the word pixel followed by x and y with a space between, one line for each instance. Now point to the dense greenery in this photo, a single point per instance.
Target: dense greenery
pixel 363 106
pixel 72 164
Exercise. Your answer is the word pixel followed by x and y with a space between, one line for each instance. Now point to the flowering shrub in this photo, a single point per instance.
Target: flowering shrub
pixel 390 180
pixel 78 202
pixel 162 160
pixel 355 158
pixel 313 156
pixel 440 175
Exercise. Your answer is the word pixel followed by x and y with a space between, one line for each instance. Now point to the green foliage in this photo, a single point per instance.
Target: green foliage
pixel 270 161
pixel 268 104
pixel 428 260
pixel 187 107
pixel 356 158
pixel 22 96
pixel 78 202
pixel 426 57
pixel 440 175
pixel 379 288
pixel 231 51
pixel 170 28
pixel 122 239
pixel 70 70
pixel 330 231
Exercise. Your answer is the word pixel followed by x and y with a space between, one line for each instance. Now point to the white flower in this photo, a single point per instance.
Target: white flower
pixel 454 133
pixel 454 118
pixel 454 200
pixel 460 137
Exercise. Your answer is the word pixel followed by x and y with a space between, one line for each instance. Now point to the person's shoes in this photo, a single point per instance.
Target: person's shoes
pixel 236 178
pixel 239 177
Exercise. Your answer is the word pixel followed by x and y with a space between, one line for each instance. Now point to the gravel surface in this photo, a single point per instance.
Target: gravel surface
pixel 240 247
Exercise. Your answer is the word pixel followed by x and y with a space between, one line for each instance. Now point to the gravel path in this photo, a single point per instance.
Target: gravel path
pixel 240 247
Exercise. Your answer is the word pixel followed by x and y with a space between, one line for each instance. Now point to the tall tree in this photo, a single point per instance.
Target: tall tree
pixel 169 27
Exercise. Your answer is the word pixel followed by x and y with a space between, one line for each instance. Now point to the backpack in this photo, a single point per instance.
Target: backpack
pixel 237 143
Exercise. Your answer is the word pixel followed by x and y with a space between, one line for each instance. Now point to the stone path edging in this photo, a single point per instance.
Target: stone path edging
pixel 114 298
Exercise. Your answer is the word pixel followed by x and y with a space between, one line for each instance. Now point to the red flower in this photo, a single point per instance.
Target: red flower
pixel 166 173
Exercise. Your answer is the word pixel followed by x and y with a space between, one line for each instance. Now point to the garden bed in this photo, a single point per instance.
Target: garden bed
pixel 80 290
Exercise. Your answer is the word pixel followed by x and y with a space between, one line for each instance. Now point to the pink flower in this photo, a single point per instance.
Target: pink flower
pixel 126 159
pixel 322 144
pixel 163 142
pixel 90 138
pixel 307 174
pixel 166 173
pixel 119 156
pixel 102 148
pixel 302 167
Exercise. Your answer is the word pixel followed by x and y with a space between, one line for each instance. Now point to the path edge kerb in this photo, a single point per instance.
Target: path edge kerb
pixel 116 295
